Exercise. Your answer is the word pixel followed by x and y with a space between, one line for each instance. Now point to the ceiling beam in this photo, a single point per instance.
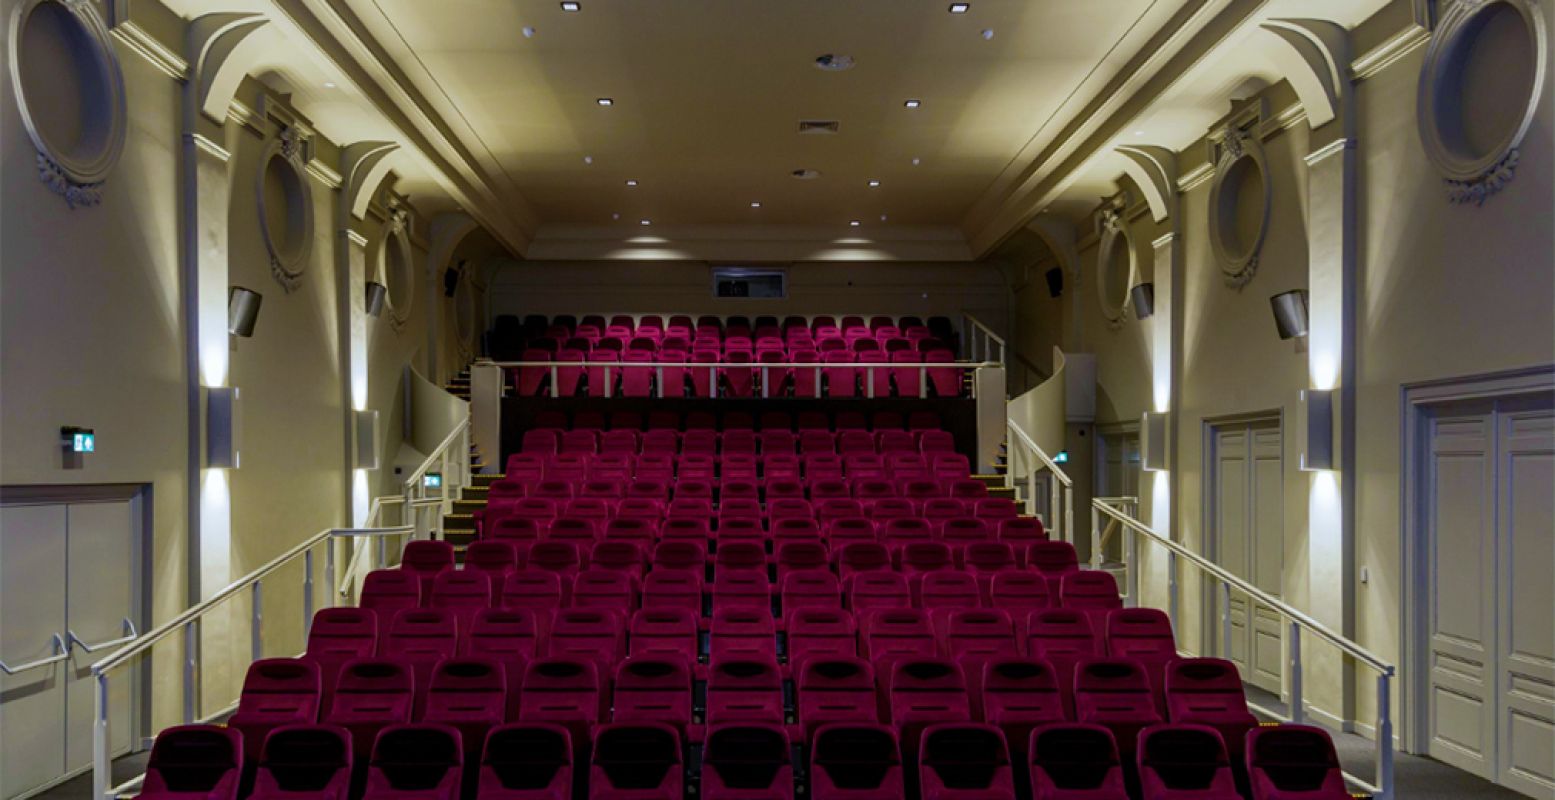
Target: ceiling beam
pixel 331 27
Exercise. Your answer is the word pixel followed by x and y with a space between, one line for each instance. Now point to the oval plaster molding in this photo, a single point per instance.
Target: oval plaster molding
pixel 291 245
pixel 398 267
pixel 1473 174
pixel 1114 300
pixel 74 166
pixel 1241 157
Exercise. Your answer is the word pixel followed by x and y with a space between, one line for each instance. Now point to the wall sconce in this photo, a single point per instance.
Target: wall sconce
pixel 1290 313
pixel 366 425
pixel 1143 299
pixel 1152 441
pixel 1315 430
pixel 222 418
pixel 377 293
pixel 242 311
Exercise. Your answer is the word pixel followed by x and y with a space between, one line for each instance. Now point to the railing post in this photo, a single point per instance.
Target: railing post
pixel 307 592
pixel 329 571
pixel 102 770
pixel 1171 588
pixel 1031 490
pixel 383 551
pixel 1095 538
pixel 465 475
pixel 658 377
pixel 712 381
pixel 765 380
pixel 1384 736
pixel 607 380
pixel 1054 514
pixel 556 384
pixel 1069 510
pixel 191 671
pixel 256 622
pixel 1297 712
pixel 1132 568
pixel 869 382
pixel 923 382
pixel 817 383
pixel 1225 621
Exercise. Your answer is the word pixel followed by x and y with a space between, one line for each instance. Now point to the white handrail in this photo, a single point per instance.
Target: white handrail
pixel 988 338
pixel 713 368
pixel 1299 622
pixel 1061 494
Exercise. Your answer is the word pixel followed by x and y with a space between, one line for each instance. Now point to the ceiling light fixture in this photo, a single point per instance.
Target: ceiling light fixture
pixel 960 8
pixel 988 34
pixel 605 101
pixel 645 222
pixel 916 161
pixel 882 218
pixel 588 159
pixel 854 223
pixel 874 184
pixel 329 84
pixel 630 182
pixel 569 5
pixel 1139 133
pixel 755 204
pixel 615 216
pixel 529 32
pixel 913 103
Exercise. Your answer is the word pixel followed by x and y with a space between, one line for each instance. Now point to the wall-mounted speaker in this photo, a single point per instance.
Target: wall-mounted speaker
pixel 1055 281
pixel 242 311
pixel 377 293
pixel 450 281
pixel 1143 299
pixel 1290 313
pixel 222 427
pixel 366 425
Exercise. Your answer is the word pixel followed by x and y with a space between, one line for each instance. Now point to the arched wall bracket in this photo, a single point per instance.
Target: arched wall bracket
pixel 222 52
pixel 1315 60
pixel 364 165
pixel 1154 171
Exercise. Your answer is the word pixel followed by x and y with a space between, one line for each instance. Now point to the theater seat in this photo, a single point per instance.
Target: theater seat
pixel 1293 762
pixel 1178 762
pixel 276 692
pixel 855 762
pixel 416 762
pixel 965 762
pixel 1208 691
pixel 638 761
pixel 195 761
pixel 304 761
pixel 527 761
pixel 1075 762
pixel 746 762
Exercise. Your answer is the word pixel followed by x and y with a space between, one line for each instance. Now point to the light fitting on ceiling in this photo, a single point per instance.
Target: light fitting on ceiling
pixel 805 174
pixel 588 159
pixel 329 84
pixel 605 101
pixel 616 215
pixel 916 161
pixel 853 223
pixel 755 204
pixel 529 32
pixel 960 8
pixel 988 34
pixel 630 183
pixel 882 218
pixel 569 5
pixel 874 184
pixel 913 103
pixel 833 62
pixel 645 222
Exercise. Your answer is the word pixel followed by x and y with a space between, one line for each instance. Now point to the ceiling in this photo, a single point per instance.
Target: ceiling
pixel 708 95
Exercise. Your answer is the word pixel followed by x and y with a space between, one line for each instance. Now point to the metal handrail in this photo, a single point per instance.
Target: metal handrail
pixel 1299 622
pixel 1221 573
pixel 989 338
pixel 756 364
pixel 61 652
pixel 436 454
pixel 1025 439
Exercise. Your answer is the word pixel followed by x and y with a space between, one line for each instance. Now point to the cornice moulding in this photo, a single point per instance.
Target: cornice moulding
pixel 142 43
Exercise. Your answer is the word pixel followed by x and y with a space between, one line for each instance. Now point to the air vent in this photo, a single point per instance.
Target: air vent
pixel 805 174
pixel 818 126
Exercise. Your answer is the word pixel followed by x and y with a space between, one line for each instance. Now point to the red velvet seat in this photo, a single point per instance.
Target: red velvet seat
pixel 744 690
pixel 416 762
pixel 654 689
pixel 656 632
pixel 371 695
pixel 1293 762
pixel 298 761
pixel 276 692
pixel 1075 762
pixel 965 761
pixel 469 695
pixel 1184 761
pixel 1115 693
pixel 528 761
pixel 338 636
pixel 195 761
pixel 747 762
pixel 636 761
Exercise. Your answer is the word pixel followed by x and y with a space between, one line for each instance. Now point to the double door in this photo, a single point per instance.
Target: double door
pixel 69 595
pixel 1247 528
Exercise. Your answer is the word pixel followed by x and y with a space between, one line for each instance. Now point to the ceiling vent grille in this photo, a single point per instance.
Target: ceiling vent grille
pixel 819 126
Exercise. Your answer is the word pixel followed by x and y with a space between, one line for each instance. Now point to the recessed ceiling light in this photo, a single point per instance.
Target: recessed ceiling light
pixel 605 101
pixel 854 223
pixel 1139 133
pixel 528 32
pixel 988 33
pixel 873 184
pixel 588 159
pixel 960 8
pixel 805 174
pixel 917 161
pixel 913 103
pixel 329 84
pixel 882 218
pixel 630 182
pixel 645 222
pixel 755 204
pixel 615 216
pixel 569 5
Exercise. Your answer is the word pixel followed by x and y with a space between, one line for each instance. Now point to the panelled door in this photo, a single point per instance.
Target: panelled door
pixel 1247 518
pixel 68 585
pixel 1491 654
pixel 1117 475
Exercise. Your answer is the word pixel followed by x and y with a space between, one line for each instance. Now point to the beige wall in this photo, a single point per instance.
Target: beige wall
pixel 1444 291
pixel 813 288
pixel 94 331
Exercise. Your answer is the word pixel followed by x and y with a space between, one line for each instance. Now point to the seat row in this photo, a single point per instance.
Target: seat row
pixel 551 441
pixel 633 372
pixel 664 419
pixel 575 468
pixel 535 325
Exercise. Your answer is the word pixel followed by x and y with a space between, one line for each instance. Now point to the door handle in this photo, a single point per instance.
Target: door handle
pixel 60 654
pixel 129 635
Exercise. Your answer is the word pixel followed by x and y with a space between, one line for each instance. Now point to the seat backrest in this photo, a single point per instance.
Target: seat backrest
pixel 746 757
pixel 206 760
pixel 385 591
pixel 532 757
pixel 854 757
pixel 1075 757
pixel 412 758
pixel 1295 759
pixel 1184 758
pixel 636 757
pixel 305 759
pixel 965 757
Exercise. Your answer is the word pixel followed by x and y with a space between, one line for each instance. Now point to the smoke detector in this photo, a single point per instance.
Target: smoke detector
pixel 833 62
pixel 805 174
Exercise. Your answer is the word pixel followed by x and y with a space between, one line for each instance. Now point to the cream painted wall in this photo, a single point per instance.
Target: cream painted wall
pixel 813 288
pixel 92 328
pixel 1444 291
